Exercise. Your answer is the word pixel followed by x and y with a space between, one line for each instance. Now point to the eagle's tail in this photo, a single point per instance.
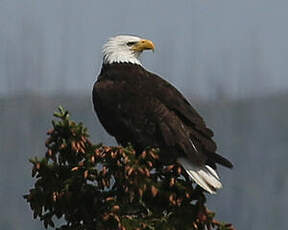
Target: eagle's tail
pixel 204 176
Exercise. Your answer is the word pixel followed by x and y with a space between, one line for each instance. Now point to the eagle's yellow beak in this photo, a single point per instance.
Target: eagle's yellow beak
pixel 143 45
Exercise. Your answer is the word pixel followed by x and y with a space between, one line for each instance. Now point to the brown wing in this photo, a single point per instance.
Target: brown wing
pixel 175 101
pixel 200 135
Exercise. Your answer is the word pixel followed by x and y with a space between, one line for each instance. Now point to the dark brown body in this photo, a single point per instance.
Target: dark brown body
pixel 138 107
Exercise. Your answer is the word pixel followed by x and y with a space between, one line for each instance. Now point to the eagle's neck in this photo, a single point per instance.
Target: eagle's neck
pixel 115 55
pixel 120 67
pixel 119 70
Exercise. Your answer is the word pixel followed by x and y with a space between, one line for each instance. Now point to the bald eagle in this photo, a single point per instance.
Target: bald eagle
pixel 139 107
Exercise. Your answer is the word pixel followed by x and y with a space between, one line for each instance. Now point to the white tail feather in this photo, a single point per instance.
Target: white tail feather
pixel 206 177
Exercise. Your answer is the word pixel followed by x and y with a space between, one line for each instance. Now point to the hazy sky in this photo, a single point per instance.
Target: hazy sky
pixel 208 48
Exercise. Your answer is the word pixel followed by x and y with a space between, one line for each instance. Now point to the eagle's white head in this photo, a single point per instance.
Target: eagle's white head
pixel 125 49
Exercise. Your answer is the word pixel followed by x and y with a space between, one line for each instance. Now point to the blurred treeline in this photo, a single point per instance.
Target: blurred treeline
pixel 252 133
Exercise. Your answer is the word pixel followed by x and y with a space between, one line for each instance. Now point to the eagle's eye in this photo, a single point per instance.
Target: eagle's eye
pixel 131 43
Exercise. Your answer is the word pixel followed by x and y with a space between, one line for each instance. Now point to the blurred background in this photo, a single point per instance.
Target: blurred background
pixel 228 57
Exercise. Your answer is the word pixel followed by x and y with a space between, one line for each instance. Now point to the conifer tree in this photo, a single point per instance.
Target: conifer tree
pixel 93 186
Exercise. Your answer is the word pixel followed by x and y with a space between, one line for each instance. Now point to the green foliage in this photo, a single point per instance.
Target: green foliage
pixel 99 187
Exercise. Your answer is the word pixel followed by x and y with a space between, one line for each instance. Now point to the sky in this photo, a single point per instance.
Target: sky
pixel 207 48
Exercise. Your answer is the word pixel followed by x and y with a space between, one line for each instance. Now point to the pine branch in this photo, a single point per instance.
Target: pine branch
pixel 100 187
